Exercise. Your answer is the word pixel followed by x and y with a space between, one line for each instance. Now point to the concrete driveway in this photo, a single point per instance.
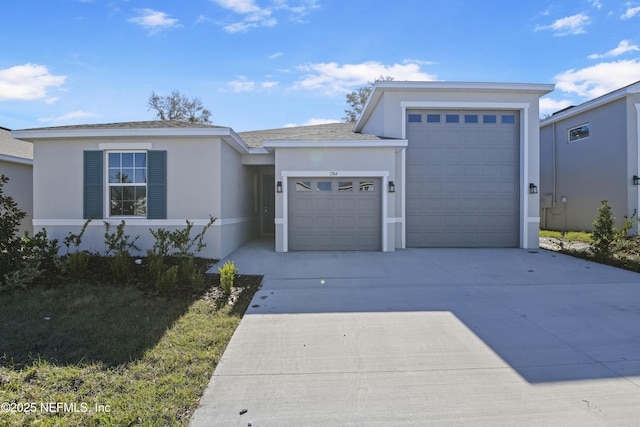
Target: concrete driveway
pixel 430 337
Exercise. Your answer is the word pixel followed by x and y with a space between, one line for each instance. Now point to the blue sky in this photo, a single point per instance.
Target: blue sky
pixel 260 64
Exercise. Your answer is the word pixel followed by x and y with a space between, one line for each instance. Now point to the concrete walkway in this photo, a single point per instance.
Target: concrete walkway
pixel 430 337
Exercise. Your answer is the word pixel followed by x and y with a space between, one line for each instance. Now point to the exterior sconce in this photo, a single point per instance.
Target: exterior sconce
pixel 392 187
pixel 532 188
pixel 279 187
pixel 636 180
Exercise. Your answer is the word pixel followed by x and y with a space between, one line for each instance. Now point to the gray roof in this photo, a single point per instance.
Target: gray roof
pixel 151 124
pixel 14 147
pixel 326 132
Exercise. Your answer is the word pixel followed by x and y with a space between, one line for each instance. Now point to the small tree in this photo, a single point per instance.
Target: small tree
pixel 604 233
pixel 358 98
pixel 10 243
pixel 178 107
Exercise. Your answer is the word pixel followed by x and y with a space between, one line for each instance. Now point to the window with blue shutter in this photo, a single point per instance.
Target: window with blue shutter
pixel 136 184
pixel 93 185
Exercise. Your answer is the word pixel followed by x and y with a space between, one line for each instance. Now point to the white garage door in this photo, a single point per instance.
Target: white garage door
pixel 335 214
pixel 462 178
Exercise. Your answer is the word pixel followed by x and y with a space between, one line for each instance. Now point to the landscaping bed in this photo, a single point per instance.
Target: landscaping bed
pixel 625 252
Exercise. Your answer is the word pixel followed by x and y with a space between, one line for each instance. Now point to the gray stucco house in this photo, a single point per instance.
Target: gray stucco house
pixel 16 162
pixel 589 153
pixel 428 164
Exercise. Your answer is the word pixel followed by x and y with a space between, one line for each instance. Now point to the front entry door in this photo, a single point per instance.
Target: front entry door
pixel 268 204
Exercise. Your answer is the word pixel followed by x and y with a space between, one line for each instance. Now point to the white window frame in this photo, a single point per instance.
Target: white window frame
pixel 108 184
pixel 571 141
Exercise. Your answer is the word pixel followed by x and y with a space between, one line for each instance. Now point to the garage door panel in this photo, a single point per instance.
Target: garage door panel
pixel 470 181
pixel 337 214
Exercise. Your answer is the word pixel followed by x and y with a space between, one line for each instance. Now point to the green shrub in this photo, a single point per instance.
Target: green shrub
pixel 190 275
pixel 227 275
pixel 168 280
pixel 603 232
pixel 180 247
pixel 10 243
pixel 75 263
pixel 117 250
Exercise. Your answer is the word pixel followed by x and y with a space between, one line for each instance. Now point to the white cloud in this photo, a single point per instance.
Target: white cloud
pixel 27 82
pixel 596 3
pixel 254 16
pixel 599 79
pixel 269 84
pixel 570 25
pixel 549 106
pixel 154 21
pixel 623 47
pixel 631 12
pixel 242 84
pixel 276 55
pixel 313 121
pixel 333 79
pixel 72 117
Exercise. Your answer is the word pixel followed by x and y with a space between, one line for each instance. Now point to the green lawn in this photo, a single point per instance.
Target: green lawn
pixel 581 236
pixel 96 355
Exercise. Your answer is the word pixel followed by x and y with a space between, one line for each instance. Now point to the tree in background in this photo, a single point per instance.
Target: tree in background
pixel 178 107
pixel 358 98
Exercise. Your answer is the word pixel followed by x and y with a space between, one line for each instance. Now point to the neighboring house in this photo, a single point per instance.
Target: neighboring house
pixel 589 153
pixel 16 162
pixel 429 164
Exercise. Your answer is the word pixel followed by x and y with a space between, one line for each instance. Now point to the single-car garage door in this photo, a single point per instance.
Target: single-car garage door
pixel 462 178
pixel 335 214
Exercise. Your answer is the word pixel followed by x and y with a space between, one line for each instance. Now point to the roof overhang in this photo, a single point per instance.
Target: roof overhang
pixel 398 144
pixel 14 159
pixel 604 99
pixel 227 134
pixel 438 86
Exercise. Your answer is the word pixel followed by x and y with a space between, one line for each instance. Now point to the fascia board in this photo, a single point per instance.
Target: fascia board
pixel 227 134
pixel 590 105
pixel 14 159
pixel 379 87
pixel 337 144
pixel 117 133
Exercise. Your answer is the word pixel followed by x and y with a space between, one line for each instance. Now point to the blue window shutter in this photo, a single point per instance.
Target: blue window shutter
pixel 157 184
pixel 93 185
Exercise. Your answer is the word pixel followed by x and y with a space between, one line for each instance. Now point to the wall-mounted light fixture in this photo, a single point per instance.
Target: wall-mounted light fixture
pixel 279 187
pixel 636 180
pixel 532 188
pixel 392 187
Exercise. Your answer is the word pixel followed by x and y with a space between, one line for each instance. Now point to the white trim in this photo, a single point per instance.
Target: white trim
pixel 638 163
pixel 403 202
pixel 136 222
pixel 14 159
pixel 284 221
pixel 125 146
pixel 394 220
pixel 523 108
pixel 226 134
pixel 594 103
pixel 337 144
pixel 108 185
pixel 524 177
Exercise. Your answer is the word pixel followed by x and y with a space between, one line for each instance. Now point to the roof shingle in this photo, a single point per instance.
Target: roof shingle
pixel 14 147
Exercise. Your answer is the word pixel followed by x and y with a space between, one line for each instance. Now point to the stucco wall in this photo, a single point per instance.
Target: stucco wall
pixel 586 171
pixel 391 122
pixel 194 175
pixel 332 162
pixel 20 187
